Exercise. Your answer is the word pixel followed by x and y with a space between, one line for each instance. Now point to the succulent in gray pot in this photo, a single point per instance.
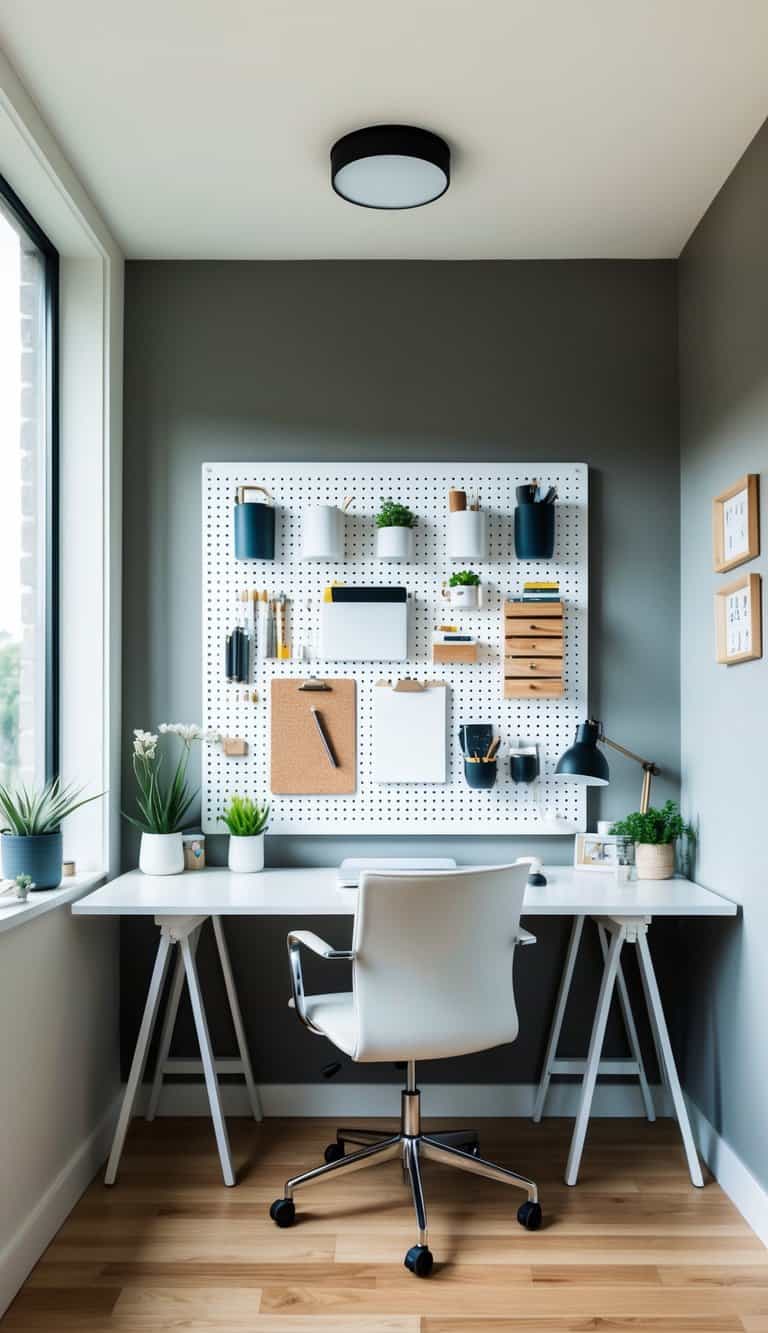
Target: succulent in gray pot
pixel 31 842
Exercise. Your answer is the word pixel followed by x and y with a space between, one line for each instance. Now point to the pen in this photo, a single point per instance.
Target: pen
pixel 318 723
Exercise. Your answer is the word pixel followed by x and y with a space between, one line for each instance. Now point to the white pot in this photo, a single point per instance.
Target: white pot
pixel 322 533
pixel 161 854
pixel 655 860
pixel 394 543
pixel 465 597
pixel 246 854
pixel 468 534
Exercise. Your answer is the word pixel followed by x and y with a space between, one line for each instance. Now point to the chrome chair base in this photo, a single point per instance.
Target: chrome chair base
pixel 455 1147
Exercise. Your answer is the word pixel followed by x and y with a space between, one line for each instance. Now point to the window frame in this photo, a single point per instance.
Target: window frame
pixel 50 513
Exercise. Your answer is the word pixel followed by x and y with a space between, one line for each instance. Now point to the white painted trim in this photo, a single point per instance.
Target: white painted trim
pixel 383 1099
pixel 14 913
pixel 745 1192
pixel 40 1226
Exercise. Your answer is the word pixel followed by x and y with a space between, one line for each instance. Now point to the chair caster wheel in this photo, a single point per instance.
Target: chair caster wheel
pixel 283 1212
pixel 419 1260
pixel 471 1146
pixel 334 1152
pixel 529 1215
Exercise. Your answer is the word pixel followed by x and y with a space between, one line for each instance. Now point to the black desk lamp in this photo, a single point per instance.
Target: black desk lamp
pixel 585 763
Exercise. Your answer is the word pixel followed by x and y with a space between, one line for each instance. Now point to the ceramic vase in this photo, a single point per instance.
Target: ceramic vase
pixel 161 854
pixel 394 543
pixel 246 854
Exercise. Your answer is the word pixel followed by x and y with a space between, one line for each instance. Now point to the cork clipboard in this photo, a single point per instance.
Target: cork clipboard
pixel 300 762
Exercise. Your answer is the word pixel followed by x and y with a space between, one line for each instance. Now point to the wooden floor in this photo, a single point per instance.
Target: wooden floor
pixel 632 1247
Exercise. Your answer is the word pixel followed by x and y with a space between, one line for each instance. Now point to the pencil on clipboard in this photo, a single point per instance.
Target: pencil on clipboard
pixel 323 737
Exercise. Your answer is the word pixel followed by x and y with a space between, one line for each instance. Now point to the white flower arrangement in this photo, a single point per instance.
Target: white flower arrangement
pixel 189 732
pixel 144 744
pixel 162 807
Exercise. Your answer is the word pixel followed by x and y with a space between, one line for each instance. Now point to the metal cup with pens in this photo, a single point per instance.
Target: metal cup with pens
pixel 479 748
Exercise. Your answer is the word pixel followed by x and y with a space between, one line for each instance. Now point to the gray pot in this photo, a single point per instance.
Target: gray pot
pixel 39 856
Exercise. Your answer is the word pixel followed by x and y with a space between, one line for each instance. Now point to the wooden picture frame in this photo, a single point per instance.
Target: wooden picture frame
pixel 738 620
pixel 736 524
pixel 595 852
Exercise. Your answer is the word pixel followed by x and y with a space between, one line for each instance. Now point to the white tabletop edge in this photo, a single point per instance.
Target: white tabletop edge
pixel 313 891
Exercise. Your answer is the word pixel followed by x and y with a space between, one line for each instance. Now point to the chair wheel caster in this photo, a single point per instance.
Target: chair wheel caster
pixel 529 1215
pixel 471 1146
pixel 283 1212
pixel 334 1152
pixel 419 1260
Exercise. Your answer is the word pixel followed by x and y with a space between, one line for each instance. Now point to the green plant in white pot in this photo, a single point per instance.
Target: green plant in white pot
pixel 465 590
pixel 162 806
pixel 394 530
pixel 654 833
pixel 31 839
pixel 247 824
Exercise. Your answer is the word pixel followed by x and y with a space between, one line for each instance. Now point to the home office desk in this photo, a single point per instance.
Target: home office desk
pixel 181 904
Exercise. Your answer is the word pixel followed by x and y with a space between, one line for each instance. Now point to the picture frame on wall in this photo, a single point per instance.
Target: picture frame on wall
pixel 736 524
pixel 738 620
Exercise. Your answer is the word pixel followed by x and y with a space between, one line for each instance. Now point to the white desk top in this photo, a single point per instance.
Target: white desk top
pixel 301 892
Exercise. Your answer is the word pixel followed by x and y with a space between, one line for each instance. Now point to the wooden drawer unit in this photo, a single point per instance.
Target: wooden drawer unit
pixel 534 648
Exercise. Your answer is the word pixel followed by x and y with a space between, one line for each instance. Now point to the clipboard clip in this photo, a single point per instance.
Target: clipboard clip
pixel 407 685
pixel 314 684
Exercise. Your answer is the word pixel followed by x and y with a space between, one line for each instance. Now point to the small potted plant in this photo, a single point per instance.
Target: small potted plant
pixel 161 807
pixel 654 834
pixel 31 839
pixel 394 531
pixel 464 590
pixel 247 823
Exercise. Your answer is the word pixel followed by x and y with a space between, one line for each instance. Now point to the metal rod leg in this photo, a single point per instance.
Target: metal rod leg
pixel 664 1046
pixel 354 1161
pixel 455 1137
pixel 166 1031
pixel 362 1136
pixel 559 1014
pixel 417 1191
pixel 237 1019
pixel 593 1058
pixel 630 1028
pixel 139 1056
pixel 476 1166
pixel 209 1069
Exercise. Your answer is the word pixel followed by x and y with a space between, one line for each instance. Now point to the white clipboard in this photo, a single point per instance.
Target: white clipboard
pixel 410 731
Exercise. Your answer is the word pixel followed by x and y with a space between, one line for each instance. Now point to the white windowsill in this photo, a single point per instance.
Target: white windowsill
pixel 14 913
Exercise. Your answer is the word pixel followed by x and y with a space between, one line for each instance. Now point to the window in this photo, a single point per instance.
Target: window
pixel 29 277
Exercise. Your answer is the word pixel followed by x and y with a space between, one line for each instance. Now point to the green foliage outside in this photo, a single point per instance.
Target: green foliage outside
pixel 10 674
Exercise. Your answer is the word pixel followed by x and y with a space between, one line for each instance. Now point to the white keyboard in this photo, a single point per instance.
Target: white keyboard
pixel 352 867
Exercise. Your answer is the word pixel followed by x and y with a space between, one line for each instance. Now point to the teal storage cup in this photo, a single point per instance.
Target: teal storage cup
pixel 254 525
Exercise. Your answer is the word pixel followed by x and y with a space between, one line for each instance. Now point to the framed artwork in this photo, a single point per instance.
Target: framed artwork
pixel 597 851
pixel 738 620
pixel 736 524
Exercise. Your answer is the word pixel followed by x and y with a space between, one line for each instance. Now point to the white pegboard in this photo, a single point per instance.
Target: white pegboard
pixel 475 689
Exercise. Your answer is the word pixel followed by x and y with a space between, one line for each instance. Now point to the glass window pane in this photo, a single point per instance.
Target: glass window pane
pixel 23 475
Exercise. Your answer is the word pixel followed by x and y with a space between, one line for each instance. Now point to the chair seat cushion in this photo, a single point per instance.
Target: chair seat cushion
pixel 335 1016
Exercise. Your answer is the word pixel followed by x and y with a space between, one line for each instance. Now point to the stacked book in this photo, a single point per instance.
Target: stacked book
pixel 541 590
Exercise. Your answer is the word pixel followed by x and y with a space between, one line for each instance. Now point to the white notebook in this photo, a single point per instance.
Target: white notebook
pixel 364 631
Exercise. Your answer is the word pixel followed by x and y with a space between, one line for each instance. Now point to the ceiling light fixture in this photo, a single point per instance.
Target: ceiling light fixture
pixel 390 166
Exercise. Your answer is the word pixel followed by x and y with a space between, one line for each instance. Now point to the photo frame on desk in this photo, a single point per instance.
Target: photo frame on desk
pixel 736 524
pixel 738 621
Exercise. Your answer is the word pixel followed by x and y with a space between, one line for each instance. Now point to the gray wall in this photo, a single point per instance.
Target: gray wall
pixel 405 361
pixel 723 302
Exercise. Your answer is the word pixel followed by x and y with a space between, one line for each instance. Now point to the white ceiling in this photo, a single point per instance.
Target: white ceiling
pixel 579 128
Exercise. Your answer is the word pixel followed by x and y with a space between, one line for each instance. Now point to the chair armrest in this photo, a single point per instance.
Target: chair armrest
pixel 524 936
pixel 323 950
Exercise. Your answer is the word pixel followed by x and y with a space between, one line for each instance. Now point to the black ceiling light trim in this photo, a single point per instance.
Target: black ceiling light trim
pixel 393 142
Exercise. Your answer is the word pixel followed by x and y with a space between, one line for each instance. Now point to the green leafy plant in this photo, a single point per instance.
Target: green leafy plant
pixel 23 884
pixel 162 806
pixel 394 515
pixel 245 818
pixel 655 826
pixel 30 812
pixel 464 578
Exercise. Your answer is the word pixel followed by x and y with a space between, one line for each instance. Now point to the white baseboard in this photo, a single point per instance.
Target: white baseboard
pixel 37 1230
pixel 383 1099
pixel 745 1193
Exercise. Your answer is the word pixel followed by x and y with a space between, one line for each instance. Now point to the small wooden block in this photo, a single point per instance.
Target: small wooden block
pixel 454 652
pixel 234 746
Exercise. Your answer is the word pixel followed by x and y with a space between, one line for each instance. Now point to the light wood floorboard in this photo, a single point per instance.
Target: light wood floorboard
pixel 633 1248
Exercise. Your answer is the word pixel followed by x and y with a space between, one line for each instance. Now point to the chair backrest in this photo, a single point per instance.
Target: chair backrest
pixel 433 965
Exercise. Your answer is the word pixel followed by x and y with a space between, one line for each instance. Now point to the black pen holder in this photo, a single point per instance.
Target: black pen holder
pixel 254 526
pixel 524 767
pixel 480 773
pixel 535 531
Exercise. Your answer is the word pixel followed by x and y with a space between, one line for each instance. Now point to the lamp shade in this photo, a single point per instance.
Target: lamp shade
pixel 584 762
pixel 390 166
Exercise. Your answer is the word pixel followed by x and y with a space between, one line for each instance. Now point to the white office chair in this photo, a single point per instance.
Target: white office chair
pixel 432 958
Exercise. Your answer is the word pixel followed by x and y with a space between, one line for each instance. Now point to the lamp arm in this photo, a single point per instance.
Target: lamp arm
pixel 650 769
